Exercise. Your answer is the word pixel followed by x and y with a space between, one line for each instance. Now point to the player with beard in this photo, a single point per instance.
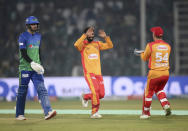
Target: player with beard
pixel 30 68
pixel 90 56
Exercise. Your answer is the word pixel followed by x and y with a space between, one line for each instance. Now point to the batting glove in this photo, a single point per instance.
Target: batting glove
pixel 37 67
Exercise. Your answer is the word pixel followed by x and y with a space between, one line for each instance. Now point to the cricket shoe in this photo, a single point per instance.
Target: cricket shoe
pixel 21 118
pixel 167 110
pixel 144 116
pixel 96 116
pixel 84 102
pixel 50 115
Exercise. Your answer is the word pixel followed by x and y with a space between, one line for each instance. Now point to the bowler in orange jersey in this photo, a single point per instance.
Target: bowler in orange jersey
pixel 157 53
pixel 90 56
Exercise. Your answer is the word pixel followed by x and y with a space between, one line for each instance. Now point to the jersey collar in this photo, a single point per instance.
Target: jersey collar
pixel 158 41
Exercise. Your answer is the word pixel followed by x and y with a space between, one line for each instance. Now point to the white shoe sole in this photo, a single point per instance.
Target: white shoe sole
pixel 21 118
pixel 50 115
pixel 96 116
pixel 144 117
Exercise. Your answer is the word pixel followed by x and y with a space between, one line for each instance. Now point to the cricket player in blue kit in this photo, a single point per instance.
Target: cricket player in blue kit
pixel 30 68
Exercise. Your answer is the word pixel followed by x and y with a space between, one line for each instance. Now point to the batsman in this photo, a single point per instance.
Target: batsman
pixel 30 68
pixel 157 53
pixel 90 56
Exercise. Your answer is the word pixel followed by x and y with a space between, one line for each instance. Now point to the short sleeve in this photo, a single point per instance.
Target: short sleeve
pixel 22 42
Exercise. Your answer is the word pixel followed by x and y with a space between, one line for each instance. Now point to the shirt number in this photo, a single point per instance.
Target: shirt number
pixel 160 57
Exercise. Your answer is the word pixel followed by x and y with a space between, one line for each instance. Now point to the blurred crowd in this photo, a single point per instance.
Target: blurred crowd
pixel 63 22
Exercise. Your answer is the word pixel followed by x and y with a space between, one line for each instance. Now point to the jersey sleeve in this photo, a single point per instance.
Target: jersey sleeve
pixel 22 42
pixel 107 45
pixel 146 54
pixel 79 44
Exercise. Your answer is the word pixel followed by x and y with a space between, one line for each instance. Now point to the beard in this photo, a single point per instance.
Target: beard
pixel 90 39
pixel 36 29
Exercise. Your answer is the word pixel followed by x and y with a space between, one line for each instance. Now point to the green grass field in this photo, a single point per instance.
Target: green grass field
pixel 82 122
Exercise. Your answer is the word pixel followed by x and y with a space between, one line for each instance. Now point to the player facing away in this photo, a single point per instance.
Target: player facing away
pixel 157 53
pixel 30 68
pixel 90 57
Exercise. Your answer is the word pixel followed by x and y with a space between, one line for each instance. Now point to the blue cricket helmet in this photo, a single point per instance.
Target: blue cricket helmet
pixel 31 20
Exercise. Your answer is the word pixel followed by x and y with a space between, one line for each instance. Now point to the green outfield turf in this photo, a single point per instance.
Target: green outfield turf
pixel 82 122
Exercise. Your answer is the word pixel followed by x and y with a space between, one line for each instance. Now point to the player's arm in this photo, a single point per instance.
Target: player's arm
pixel 146 54
pixel 25 56
pixel 79 44
pixel 23 49
pixel 108 43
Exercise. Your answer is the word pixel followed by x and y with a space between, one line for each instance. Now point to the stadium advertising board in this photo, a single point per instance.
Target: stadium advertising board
pixel 75 86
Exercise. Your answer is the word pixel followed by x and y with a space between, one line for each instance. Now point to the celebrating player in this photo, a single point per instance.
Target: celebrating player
pixel 30 68
pixel 157 53
pixel 90 55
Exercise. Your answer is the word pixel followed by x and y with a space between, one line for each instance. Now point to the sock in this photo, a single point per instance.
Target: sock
pixel 147 105
pixel 162 98
pixel 95 108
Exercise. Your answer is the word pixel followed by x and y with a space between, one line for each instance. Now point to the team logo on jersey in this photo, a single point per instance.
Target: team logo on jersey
pixel 34 46
pixel 30 46
pixel 93 56
pixel 162 47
